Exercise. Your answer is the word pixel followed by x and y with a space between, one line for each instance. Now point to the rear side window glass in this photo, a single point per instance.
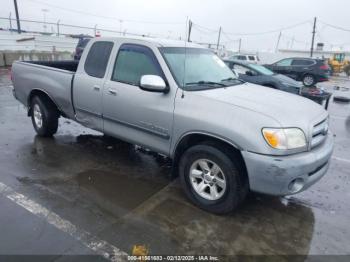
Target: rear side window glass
pixel 242 57
pixel 134 61
pixel 97 59
pixel 302 62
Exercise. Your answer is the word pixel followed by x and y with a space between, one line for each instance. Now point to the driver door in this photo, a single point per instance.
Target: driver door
pixel 283 67
pixel 138 116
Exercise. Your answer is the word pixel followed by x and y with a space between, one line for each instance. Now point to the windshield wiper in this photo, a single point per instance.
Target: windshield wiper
pixel 205 83
pixel 232 79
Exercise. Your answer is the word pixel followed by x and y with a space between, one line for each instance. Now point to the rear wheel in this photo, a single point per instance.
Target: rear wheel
pixel 211 180
pixel 309 80
pixel 44 116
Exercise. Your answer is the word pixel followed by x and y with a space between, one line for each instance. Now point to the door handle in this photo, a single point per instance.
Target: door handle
pixel 112 92
pixel 96 88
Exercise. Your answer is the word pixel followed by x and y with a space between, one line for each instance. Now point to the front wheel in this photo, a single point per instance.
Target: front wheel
pixel 44 116
pixel 309 80
pixel 211 179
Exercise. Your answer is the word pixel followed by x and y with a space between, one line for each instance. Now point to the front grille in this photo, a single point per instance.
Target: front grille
pixel 319 133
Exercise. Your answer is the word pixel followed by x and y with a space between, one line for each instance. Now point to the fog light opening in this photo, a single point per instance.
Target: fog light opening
pixel 296 185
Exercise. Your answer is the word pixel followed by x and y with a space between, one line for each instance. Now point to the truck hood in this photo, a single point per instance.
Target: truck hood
pixel 289 110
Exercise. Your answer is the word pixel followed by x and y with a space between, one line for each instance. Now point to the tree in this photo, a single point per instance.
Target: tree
pixel 347 70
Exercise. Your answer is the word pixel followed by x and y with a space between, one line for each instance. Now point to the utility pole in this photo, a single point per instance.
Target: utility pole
pixel 239 45
pixel 58 28
pixel 120 26
pixel 313 37
pixel 217 45
pixel 291 45
pixel 44 14
pixel 10 20
pixel 17 17
pixel 278 41
pixel 95 30
pixel 189 31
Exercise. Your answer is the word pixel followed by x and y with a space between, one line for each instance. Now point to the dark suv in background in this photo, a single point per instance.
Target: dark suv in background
pixel 308 70
pixel 83 40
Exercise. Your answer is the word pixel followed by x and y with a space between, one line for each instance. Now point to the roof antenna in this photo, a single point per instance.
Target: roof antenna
pixel 184 75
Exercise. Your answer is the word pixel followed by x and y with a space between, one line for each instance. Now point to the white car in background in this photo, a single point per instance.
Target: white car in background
pixel 245 57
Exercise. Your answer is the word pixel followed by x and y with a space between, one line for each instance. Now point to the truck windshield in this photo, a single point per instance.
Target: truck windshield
pixel 197 68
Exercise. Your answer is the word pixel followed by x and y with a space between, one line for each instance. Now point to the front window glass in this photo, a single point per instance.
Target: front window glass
pixel 240 69
pixel 193 67
pixel 133 62
pixel 284 62
pixel 262 69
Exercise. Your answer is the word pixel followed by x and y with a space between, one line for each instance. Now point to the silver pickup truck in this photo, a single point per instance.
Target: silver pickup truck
pixel 225 137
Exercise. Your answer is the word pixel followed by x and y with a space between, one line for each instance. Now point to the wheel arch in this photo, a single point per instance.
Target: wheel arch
pixel 194 138
pixel 270 85
pixel 41 93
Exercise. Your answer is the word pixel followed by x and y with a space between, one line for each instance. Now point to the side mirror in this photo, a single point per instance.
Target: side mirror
pixel 153 83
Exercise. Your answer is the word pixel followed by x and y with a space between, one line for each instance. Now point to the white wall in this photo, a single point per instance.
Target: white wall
pixel 8 41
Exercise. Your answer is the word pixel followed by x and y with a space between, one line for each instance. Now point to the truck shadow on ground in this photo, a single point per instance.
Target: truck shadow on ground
pixel 148 206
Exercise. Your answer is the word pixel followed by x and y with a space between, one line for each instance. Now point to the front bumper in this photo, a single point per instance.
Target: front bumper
pixel 273 174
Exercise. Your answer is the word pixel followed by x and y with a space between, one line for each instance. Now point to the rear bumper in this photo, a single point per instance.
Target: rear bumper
pixel 274 175
pixel 322 77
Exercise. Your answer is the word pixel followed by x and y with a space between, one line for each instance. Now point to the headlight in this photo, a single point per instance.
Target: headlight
pixel 284 138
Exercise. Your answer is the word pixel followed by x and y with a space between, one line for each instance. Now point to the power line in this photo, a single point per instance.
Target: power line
pixel 203 28
pixel 260 33
pixel 229 38
pixel 101 16
pixel 202 31
pixel 336 27
pixel 294 39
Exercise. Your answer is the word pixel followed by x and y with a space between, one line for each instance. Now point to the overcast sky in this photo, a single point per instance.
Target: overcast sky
pixel 167 18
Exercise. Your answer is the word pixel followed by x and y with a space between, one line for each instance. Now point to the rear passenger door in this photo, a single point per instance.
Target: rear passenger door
pixel 88 85
pixel 139 116
pixel 300 67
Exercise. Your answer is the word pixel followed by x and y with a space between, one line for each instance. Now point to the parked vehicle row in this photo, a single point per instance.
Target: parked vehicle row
pixel 308 70
pixel 261 75
pixel 224 136
pixel 251 58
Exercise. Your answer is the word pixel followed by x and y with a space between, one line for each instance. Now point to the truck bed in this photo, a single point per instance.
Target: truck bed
pixel 69 65
pixel 53 78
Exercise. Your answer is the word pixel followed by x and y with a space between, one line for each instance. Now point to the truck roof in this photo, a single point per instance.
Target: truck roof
pixel 160 42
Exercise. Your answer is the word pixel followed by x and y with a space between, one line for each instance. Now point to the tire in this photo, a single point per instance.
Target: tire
pixel 235 189
pixel 44 116
pixel 309 80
